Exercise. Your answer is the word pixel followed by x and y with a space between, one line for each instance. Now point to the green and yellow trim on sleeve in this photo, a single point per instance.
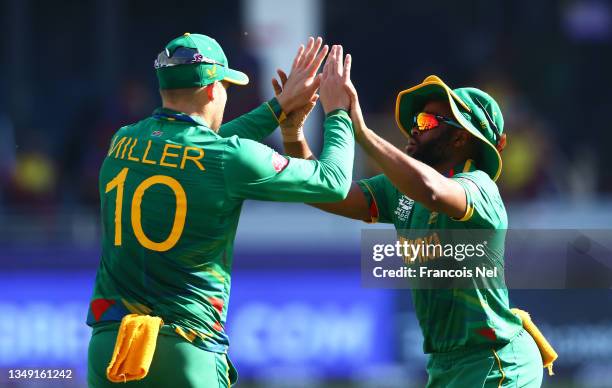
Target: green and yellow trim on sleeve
pixel 274 107
pixel 469 208
pixel 372 206
pixel 469 212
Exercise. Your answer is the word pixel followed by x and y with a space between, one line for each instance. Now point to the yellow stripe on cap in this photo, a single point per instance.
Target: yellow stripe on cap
pixel 236 82
pixel 434 79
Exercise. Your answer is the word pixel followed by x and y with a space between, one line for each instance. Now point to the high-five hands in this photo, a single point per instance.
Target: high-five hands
pixel 359 124
pixel 292 126
pixel 336 77
pixel 297 93
pixel 300 87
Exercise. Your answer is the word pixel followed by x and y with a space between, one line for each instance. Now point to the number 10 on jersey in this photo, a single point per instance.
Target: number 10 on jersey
pixel 118 183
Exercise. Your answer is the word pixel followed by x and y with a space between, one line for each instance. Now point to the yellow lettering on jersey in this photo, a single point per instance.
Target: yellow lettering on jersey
pixel 144 157
pixel 166 154
pixel 130 153
pixel 125 147
pixel 112 146
pixel 120 147
pixel 117 147
pixel 194 159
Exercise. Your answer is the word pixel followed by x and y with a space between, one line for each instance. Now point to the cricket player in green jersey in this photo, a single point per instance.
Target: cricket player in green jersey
pixel 446 180
pixel 171 190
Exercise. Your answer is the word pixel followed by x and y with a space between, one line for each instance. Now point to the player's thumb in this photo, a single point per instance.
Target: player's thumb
pixel 317 81
pixel 277 88
pixel 350 89
pixel 309 107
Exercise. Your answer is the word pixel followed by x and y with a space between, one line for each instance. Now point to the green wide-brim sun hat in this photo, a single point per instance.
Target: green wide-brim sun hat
pixel 474 109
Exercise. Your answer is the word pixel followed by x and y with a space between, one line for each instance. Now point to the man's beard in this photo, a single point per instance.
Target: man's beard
pixel 434 151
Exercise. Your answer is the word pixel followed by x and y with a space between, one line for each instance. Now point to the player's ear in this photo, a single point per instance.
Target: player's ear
pixel 210 90
pixel 461 138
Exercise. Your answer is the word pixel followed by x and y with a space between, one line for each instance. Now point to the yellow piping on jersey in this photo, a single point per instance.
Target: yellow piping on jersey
pixel 500 368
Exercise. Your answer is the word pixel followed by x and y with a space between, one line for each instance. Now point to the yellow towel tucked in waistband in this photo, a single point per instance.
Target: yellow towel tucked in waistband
pixel 546 350
pixel 134 348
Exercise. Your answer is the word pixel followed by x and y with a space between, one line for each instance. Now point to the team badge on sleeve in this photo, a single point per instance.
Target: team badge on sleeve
pixel 279 162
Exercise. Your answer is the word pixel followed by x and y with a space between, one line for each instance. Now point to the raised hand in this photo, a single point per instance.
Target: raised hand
pixel 359 124
pixel 301 85
pixel 335 79
pixel 292 126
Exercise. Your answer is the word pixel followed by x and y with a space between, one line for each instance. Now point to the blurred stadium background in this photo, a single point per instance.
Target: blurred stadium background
pixel 72 72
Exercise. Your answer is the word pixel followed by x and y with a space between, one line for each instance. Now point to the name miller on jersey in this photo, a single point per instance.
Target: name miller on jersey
pixel 140 153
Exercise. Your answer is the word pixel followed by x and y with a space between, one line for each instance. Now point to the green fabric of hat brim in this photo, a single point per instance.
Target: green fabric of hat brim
pixel 197 75
pixel 235 77
pixel 412 100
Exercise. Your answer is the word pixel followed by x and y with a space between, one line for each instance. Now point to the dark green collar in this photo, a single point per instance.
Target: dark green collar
pixel 173 115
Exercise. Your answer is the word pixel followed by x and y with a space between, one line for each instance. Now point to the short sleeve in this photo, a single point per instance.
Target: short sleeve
pixel 485 207
pixel 378 191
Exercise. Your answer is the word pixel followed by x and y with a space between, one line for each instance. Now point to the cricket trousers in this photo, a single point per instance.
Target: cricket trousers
pixel 517 364
pixel 176 363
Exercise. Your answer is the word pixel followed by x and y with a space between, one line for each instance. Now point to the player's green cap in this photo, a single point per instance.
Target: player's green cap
pixel 194 60
pixel 474 109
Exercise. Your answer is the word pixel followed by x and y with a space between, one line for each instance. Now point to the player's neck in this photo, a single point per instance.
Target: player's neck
pixel 449 164
pixel 191 108
pixel 458 157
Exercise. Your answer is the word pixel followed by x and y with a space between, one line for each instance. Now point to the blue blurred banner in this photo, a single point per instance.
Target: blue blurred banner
pixel 42 321
pixel 302 324
pixel 321 320
pixel 311 320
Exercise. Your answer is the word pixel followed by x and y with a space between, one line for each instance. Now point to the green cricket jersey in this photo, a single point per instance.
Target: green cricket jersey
pixel 171 192
pixel 451 319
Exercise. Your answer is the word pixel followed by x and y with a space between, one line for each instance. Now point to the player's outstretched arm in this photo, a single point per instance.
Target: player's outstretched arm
pixel 257 172
pixel 354 206
pixel 413 178
pixel 255 125
pixel 299 90
pixel 295 144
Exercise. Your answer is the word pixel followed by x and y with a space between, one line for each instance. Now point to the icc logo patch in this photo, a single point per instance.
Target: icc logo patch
pixel 404 208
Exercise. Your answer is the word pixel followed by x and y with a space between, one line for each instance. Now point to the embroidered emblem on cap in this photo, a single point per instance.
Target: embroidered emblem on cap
pixel 212 72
